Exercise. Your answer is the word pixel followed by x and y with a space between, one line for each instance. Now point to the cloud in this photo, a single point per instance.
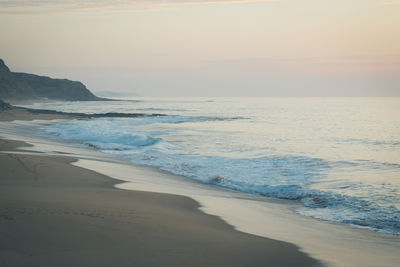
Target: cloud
pixel 50 6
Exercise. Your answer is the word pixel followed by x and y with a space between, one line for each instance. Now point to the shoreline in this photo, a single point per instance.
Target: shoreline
pixel 358 247
pixel 53 212
pixel 332 243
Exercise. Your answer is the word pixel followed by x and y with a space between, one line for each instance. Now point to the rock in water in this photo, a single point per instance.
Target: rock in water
pixel 4 106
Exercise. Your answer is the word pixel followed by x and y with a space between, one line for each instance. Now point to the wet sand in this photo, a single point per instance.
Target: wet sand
pixel 24 114
pixel 55 214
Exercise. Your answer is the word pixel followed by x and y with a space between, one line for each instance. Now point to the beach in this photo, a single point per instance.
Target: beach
pixel 200 133
pixel 54 213
pixel 73 204
pixel 23 114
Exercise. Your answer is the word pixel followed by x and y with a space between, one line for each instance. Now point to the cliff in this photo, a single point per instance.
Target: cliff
pixel 24 86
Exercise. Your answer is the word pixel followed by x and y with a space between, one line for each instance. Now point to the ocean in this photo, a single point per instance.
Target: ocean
pixel 338 157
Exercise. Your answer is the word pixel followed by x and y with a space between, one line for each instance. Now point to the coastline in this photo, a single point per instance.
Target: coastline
pixel 331 243
pixel 334 244
pixel 53 212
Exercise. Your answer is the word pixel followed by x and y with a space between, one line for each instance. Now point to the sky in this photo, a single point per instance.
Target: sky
pixel 208 47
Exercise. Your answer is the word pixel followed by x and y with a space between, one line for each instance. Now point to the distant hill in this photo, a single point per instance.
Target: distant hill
pixel 24 86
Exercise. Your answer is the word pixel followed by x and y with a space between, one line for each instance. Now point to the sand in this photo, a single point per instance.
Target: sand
pixel 24 114
pixel 55 214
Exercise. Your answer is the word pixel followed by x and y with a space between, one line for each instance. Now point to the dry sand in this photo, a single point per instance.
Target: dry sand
pixel 56 214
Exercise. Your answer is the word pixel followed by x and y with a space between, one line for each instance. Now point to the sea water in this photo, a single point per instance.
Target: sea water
pixel 338 157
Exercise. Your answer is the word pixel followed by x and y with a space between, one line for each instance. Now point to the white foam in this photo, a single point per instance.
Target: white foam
pixel 284 176
pixel 334 244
